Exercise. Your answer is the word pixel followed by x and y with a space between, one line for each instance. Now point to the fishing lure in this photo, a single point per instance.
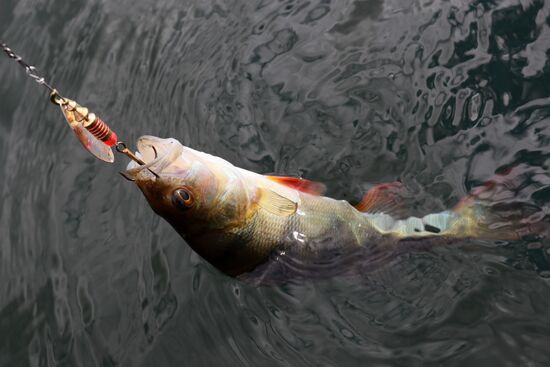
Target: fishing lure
pixel 92 132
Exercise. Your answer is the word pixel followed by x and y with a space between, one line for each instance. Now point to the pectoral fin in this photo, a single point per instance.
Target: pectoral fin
pixel 276 203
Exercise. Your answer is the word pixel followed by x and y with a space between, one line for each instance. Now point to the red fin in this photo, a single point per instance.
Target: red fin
pixel 300 184
pixel 386 198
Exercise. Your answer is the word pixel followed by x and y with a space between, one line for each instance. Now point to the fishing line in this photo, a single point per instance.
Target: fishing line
pixel 94 134
pixel 31 70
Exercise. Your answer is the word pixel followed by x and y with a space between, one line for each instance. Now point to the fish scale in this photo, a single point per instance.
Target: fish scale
pixel 319 224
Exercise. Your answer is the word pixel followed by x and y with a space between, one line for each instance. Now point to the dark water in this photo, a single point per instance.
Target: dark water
pixel 437 94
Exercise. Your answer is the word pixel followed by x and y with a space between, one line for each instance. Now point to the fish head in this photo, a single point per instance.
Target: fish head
pixel 195 192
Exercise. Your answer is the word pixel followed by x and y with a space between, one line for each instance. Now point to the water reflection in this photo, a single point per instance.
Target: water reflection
pixel 351 93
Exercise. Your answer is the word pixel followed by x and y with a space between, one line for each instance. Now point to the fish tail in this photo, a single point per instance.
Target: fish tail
pixel 498 221
pixel 500 209
pixel 493 212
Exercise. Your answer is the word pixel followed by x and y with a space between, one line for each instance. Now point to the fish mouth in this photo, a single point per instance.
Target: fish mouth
pixel 156 153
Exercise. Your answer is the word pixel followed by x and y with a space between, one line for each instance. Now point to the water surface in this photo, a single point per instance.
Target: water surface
pixel 437 94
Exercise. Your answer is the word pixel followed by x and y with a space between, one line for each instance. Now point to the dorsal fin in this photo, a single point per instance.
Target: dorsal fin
pixel 300 184
pixel 276 203
pixel 386 198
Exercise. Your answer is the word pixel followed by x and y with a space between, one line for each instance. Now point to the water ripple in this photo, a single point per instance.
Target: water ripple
pixel 437 94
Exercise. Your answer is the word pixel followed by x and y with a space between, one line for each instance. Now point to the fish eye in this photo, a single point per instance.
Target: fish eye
pixel 182 198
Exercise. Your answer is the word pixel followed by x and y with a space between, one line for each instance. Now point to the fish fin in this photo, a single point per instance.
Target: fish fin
pixel 276 203
pixel 385 198
pixel 493 211
pixel 500 221
pixel 300 184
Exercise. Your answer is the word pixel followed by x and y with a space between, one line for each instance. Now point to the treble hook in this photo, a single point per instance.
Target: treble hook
pixel 122 148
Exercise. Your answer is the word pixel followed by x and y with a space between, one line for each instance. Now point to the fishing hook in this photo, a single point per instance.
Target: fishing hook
pixel 88 127
pixel 122 148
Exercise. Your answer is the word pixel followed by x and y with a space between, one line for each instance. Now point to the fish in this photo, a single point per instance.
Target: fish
pixel 237 219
